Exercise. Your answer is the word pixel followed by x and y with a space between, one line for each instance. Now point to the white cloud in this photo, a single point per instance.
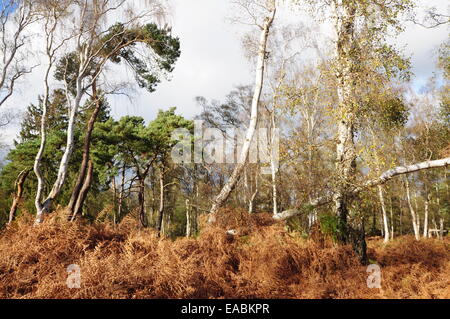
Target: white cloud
pixel 212 61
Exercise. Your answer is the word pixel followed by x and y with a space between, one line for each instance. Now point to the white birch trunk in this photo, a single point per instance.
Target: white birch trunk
pixel 255 193
pixel 383 209
pixel 50 52
pixel 273 167
pixel 40 153
pixel 425 218
pixel 188 219
pixel 64 163
pixel 391 211
pixel 259 81
pixel 345 147
pixel 412 211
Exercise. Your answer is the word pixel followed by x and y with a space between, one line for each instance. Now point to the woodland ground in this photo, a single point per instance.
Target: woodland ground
pixel 263 261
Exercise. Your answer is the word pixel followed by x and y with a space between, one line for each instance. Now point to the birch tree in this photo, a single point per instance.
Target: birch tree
pixel 162 50
pixel 52 21
pixel 358 45
pixel 88 19
pixel 269 11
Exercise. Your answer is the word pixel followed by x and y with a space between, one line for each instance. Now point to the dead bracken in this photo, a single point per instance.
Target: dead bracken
pixel 264 261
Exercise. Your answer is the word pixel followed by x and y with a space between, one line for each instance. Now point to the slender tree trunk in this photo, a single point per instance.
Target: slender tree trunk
pixel 425 218
pixel 312 216
pixel 255 193
pixel 391 211
pixel 417 210
pixel 161 203
pixel 153 190
pixel 43 143
pixel 247 196
pixel 383 209
pixel 78 209
pixel 18 195
pixel 273 163
pixel 401 219
pixel 86 153
pixel 121 194
pixel 274 185
pixel 188 219
pixel 141 199
pixel 196 202
pixel 43 208
pixel 114 200
pixel 412 211
pixel 438 205
pixel 231 183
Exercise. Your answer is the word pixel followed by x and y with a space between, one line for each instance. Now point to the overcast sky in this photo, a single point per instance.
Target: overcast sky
pixel 212 61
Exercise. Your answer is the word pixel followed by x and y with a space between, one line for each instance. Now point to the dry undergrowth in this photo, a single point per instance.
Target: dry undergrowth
pixel 263 261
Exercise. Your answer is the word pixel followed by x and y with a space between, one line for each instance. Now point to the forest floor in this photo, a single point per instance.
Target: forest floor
pixel 262 261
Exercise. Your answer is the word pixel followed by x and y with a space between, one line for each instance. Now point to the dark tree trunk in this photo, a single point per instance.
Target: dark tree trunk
pixel 161 203
pixel 82 175
pixel 78 209
pixel 114 199
pixel 121 195
pixel 19 191
pixel 141 199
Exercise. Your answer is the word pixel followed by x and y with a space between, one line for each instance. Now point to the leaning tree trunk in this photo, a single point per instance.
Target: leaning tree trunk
pixel 19 191
pixel 86 154
pixel 232 181
pixel 384 178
